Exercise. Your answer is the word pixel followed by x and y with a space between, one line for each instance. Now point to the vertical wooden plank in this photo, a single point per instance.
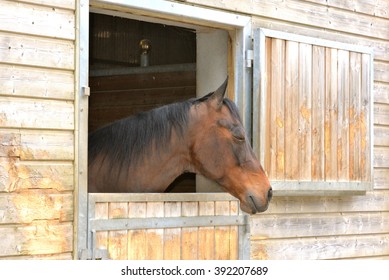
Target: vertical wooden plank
pixel 268 144
pixel 280 110
pixel 305 110
pixel 117 239
pixel 172 236
pixel 234 232
pixel 277 148
pixel 366 156
pixel 291 110
pixel 354 115
pixel 331 115
pixel 222 233
pixel 260 88
pixel 101 212
pixel 343 114
pixel 189 237
pixel 137 238
pixel 206 234
pixel 155 237
pixel 318 88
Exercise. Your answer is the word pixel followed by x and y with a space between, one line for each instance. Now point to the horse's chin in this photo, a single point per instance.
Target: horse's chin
pixel 252 207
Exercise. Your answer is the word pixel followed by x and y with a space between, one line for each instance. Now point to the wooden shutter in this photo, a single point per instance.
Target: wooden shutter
pixel 312 125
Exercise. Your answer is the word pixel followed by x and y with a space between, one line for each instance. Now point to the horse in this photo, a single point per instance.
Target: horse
pixel 147 151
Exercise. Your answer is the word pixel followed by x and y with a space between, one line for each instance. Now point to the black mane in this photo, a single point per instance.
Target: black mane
pixel 127 141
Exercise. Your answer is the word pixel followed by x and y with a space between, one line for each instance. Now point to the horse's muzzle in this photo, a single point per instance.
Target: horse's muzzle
pixel 257 206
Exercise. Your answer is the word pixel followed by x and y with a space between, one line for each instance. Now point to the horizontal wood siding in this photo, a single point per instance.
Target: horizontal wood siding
pixel 325 227
pixel 37 84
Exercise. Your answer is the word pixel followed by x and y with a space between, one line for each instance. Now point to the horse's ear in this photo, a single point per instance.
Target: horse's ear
pixel 218 95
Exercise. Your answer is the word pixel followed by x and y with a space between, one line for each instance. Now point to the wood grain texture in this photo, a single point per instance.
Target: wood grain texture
pixel 65 4
pixel 16 175
pixel 36 82
pixel 291 114
pixel 298 11
pixel 37 122
pixel 203 242
pixel 27 206
pixel 37 238
pixel 324 114
pixel 29 51
pixel 37 20
pixel 315 225
pixel 172 236
pixel 315 248
pixel 32 113
pixel 331 115
pixel 207 234
pixel 137 238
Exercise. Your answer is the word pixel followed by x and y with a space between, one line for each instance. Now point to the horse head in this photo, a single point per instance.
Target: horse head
pixel 220 150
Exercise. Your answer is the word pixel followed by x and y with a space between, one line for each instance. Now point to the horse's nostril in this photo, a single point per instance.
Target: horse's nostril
pixel 270 194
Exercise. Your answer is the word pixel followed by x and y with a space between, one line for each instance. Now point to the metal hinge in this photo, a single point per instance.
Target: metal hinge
pixel 249 58
pixel 86 91
pixel 97 254
pixel 93 254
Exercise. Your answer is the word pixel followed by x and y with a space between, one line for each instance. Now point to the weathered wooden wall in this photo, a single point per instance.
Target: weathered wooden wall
pixel 37 133
pixel 37 63
pixel 329 227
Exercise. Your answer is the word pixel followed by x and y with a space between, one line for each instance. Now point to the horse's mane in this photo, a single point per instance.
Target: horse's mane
pixel 127 141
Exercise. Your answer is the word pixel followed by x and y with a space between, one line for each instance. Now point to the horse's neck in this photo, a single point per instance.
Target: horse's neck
pixel 158 170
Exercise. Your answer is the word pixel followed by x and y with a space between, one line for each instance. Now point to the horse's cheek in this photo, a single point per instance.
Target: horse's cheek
pixel 209 160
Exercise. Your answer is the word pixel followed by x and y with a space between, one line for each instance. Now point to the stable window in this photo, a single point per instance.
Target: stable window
pixel 105 63
pixel 312 113
pixel 135 66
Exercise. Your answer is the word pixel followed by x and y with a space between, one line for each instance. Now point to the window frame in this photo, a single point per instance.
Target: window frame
pixel 158 11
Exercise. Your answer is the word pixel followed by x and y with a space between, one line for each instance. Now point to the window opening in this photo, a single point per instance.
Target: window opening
pixel 136 66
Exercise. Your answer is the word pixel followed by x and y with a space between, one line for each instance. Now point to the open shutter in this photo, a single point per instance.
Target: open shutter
pixel 312 108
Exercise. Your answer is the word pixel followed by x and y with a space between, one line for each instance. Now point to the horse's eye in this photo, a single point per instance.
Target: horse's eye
pixel 239 137
pixel 238 133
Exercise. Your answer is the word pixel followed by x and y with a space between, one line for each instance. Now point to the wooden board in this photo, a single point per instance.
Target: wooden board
pixel 26 206
pixel 304 13
pixel 65 4
pixel 31 113
pixel 137 238
pixel 173 243
pixel 17 175
pixel 28 50
pixel 37 20
pixel 36 82
pixel 324 113
pixel 317 224
pixel 372 201
pixel 37 238
pixel 314 248
pixel 37 145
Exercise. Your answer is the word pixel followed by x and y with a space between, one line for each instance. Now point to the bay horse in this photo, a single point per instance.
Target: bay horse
pixel 147 151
